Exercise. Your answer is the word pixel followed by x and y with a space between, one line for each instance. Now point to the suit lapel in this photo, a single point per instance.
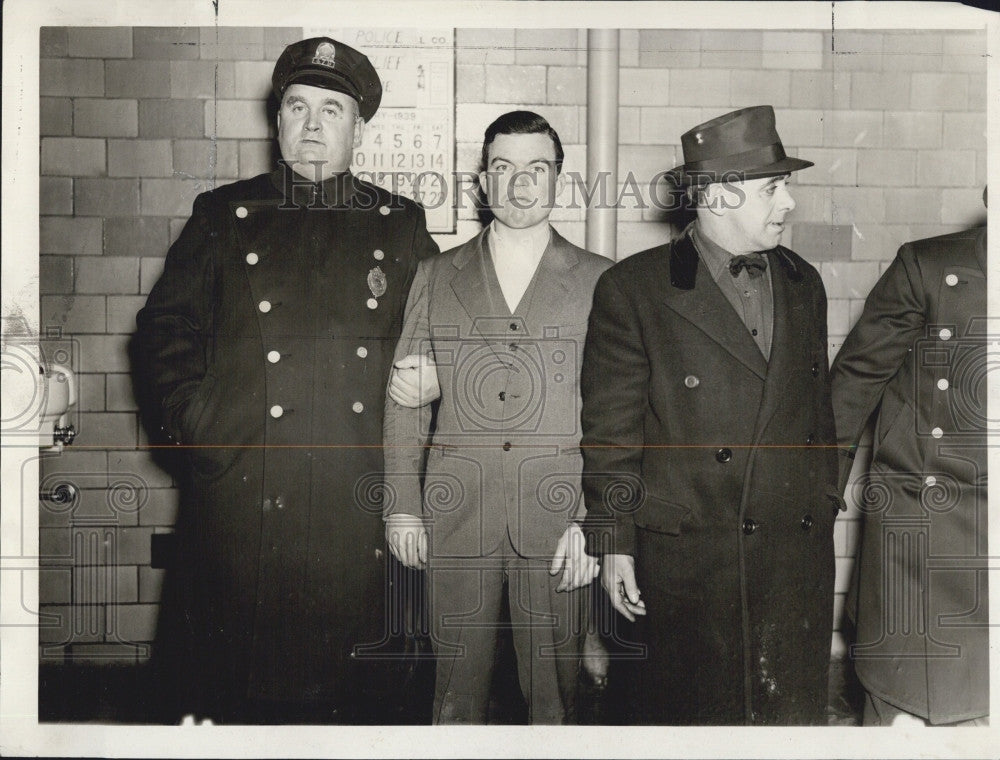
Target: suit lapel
pixel 787 341
pixel 551 290
pixel 696 297
pixel 981 250
pixel 469 283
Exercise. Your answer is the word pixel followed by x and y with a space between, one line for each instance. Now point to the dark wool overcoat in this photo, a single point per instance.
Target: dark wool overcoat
pixel 715 468
pixel 266 347
pixel 918 357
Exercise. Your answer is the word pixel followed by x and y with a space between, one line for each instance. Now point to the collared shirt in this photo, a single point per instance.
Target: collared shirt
pixel 751 297
pixel 516 257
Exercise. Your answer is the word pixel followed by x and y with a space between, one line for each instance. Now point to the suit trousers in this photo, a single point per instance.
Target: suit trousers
pixel 465 598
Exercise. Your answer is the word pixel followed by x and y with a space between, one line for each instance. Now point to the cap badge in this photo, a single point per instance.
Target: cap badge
pixel 325 55
pixel 377 282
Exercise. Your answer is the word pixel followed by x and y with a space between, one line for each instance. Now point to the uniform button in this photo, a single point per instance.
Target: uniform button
pixel 252 258
pixel 951 280
pixel 362 352
pixel 807 522
pixel 384 211
pixel 241 212
pixel 942 384
pixel 506 446
pixel 749 526
pixel 815 370
pixel 945 334
pixel 691 381
pixel 723 455
pixel 264 306
pixel 379 254
pixel 357 407
pixel 930 481
pixel 502 396
pixel 277 411
pixel 274 357
pixel 937 432
pixel 279 502
pixel 809 439
pixel 372 303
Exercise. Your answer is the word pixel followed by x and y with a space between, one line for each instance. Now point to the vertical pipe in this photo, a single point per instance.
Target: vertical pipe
pixel 602 141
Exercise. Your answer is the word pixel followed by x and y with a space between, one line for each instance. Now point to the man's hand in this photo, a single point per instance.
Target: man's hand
pixel 414 381
pixel 407 539
pixel 618 579
pixel 578 567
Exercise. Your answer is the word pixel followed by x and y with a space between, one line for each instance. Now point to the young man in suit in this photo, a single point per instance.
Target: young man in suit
pixel 504 317
pixel 918 358
pixel 709 471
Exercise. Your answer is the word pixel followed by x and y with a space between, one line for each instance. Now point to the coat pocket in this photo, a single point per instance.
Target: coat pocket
pixel 661 516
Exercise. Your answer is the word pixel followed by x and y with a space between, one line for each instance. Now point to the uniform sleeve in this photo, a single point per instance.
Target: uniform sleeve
pixel 405 431
pixel 614 385
pixel 874 351
pixel 172 340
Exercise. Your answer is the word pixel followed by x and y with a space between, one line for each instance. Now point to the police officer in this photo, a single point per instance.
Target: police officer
pixel 265 348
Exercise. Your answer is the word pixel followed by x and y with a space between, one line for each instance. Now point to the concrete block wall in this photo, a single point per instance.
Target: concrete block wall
pixel 136 122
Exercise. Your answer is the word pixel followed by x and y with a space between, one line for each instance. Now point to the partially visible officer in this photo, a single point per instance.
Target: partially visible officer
pixel 709 471
pixel 917 357
pixel 266 346
pixel 504 316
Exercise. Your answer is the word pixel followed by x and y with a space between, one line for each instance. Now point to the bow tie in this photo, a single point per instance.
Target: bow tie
pixel 754 263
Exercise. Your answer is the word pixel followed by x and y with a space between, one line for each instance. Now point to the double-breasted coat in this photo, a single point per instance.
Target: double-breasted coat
pixel 265 347
pixel 505 458
pixel 918 357
pixel 715 468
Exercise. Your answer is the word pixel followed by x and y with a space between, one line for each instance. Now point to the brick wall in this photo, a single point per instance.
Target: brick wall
pixel 136 122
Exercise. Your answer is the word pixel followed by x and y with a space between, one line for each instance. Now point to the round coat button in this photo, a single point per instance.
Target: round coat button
pixel 723 455
pixel 930 481
pixel 252 258
pixel 937 432
pixel 277 411
pixel 810 439
pixel 502 395
pixel 362 352
pixel 807 522
pixel 945 334
pixel 357 407
pixel 506 446
pixel 815 370
pixel 264 306
pixel 749 526
pixel 274 357
pixel 513 326
pixel 951 280
pixel 378 254
pixel 241 212
pixel 691 381
pixel 942 384
pixel 384 211
pixel 372 303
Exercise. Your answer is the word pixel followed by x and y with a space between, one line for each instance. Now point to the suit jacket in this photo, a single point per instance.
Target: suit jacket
pixel 917 358
pixel 260 352
pixel 505 454
pixel 709 464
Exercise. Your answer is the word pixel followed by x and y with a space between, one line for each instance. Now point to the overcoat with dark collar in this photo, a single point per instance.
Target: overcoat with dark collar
pixel 918 356
pixel 710 465
pixel 265 348
pixel 505 457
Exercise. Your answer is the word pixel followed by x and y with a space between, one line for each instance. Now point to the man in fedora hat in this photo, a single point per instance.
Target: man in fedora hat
pixel 709 467
pixel 265 348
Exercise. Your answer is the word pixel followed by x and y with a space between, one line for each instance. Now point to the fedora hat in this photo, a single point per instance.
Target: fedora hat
pixel 739 145
pixel 332 65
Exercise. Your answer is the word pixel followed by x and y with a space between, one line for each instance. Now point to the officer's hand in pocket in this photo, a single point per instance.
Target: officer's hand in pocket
pixel 414 381
pixel 407 539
